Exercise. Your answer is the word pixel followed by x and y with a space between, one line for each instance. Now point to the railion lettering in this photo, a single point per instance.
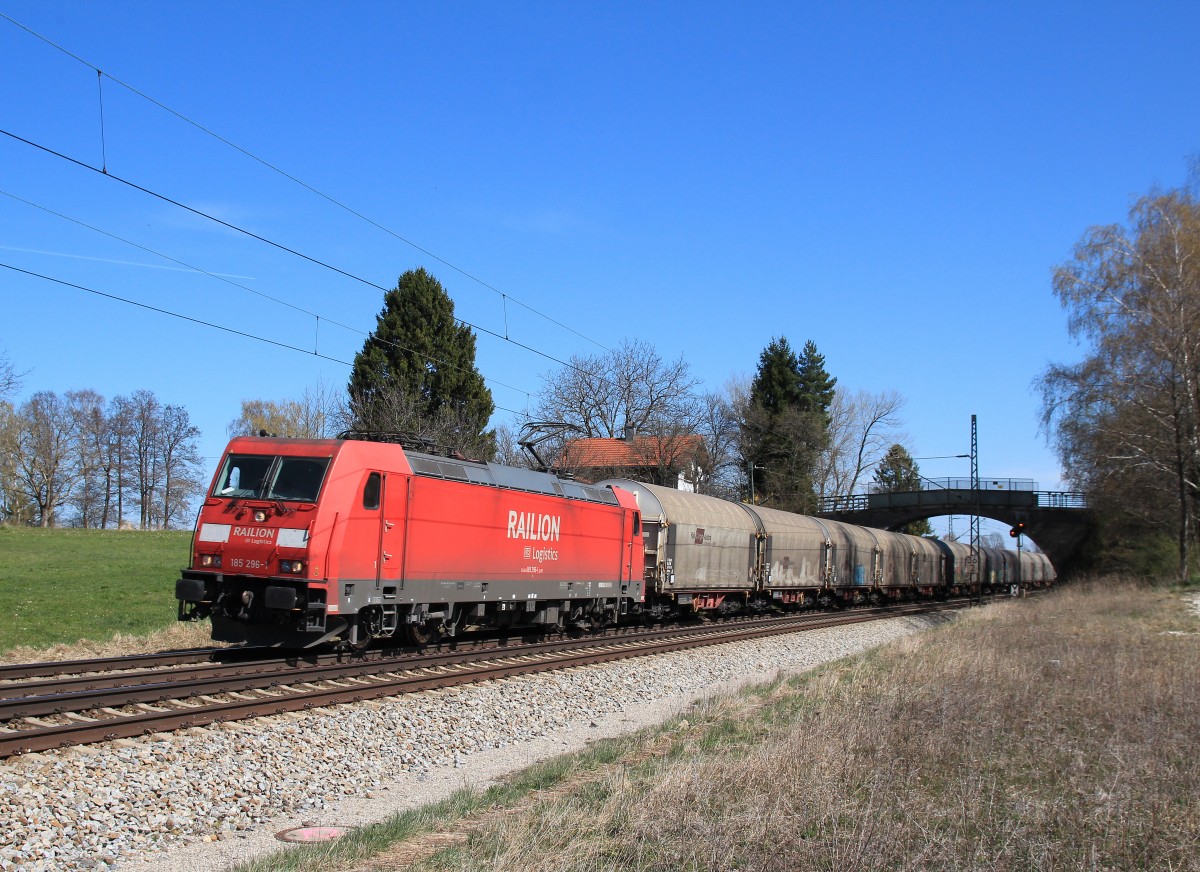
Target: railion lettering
pixel 533 526
pixel 255 532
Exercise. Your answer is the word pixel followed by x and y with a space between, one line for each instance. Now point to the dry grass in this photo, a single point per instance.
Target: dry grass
pixel 1057 734
pixel 176 637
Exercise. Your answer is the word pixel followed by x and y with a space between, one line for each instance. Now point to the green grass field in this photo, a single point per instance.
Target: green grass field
pixel 61 586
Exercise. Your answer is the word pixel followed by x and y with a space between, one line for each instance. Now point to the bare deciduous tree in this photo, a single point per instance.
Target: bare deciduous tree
pixel 724 471
pixel 15 505
pixel 180 464
pixel 1126 419
pixel 628 393
pixel 91 435
pixel 394 409
pixel 508 451
pixel 628 389
pixel 320 413
pixel 80 453
pixel 145 413
pixel 862 427
pixel 44 464
pixel 10 379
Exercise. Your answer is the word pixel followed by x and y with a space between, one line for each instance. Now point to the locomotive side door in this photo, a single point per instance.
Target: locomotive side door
pixel 358 556
pixel 633 539
pixel 391 531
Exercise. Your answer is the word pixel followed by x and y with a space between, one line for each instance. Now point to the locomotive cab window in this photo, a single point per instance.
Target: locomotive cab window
pixel 271 477
pixel 298 479
pixel 243 475
pixel 371 491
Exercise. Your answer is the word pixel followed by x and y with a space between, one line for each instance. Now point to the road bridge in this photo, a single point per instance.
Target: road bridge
pixel 1058 521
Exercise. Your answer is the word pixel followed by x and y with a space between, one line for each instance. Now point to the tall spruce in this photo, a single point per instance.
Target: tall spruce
pixel 898 472
pixel 816 385
pixel 787 425
pixel 416 372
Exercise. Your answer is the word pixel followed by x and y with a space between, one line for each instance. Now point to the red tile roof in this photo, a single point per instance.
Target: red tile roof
pixel 641 452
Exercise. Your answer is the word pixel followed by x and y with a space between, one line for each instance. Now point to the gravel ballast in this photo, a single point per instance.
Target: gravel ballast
pixel 212 796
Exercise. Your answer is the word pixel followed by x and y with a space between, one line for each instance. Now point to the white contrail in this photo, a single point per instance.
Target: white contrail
pixel 123 262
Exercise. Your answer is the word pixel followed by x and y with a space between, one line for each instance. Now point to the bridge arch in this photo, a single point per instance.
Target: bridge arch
pixel 1058 521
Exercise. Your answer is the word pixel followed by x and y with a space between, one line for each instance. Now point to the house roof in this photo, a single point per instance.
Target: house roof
pixel 642 451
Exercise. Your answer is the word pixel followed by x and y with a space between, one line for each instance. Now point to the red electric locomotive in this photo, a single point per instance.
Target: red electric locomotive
pixel 302 542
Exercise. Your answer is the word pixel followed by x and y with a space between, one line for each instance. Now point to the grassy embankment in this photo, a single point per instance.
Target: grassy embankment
pixel 58 587
pixel 1061 733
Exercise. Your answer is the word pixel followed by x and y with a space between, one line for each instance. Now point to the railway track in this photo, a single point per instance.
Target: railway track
pixel 47 668
pixel 96 706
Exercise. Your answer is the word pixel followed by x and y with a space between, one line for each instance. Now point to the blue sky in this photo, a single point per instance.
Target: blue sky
pixel 894 181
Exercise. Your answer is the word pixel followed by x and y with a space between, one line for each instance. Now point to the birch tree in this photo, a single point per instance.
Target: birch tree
pixel 1126 418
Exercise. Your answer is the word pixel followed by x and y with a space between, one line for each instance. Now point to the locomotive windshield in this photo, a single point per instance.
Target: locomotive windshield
pixel 271 477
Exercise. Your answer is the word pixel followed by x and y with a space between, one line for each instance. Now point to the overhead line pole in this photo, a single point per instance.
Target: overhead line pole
pixel 976 553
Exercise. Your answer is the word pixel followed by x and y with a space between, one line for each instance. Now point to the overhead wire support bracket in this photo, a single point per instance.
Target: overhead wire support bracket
pixel 103 144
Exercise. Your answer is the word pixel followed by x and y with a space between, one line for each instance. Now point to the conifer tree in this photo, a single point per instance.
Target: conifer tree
pixel 816 385
pixel 777 383
pixel 899 472
pixel 787 425
pixel 416 372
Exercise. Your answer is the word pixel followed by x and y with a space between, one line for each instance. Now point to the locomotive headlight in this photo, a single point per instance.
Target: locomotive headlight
pixel 291 567
pixel 210 561
pixel 259 516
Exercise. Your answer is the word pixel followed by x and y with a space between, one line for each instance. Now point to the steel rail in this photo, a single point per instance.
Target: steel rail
pixel 106 673
pixel 283 698
pixel 88 692
pixel 46 668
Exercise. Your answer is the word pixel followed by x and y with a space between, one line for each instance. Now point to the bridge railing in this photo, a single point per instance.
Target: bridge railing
pixel 1042 500
pixel 986 484
pixel 1061 500
pixel 846 503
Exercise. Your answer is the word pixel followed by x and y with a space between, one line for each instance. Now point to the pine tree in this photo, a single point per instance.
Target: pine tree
pixel 899 472
pixel 787 425
pixel 416 372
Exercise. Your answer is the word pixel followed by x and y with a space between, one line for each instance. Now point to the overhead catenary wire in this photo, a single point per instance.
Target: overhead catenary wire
pixel 294 179
pixel 103 171
pixel 591 374
pixel 189 318
pixel 265 296
pixel 315 261
pixel 84 165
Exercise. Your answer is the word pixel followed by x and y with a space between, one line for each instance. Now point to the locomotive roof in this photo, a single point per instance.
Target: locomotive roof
pixel 455 469
pixel 510 477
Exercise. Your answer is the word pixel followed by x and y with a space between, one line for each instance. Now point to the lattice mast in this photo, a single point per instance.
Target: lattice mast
pixel 976 553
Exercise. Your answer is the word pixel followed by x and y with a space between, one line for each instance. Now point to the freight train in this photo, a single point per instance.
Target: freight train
pixel 311 542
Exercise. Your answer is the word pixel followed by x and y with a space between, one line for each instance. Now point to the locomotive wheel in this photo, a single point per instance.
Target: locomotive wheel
pixel 422 635
pixel 434 631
